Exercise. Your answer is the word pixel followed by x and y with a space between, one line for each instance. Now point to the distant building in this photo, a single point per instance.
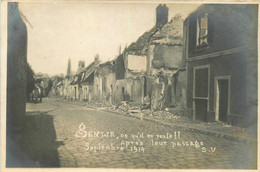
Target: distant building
pixel 221 55
pixel 87 81
pixel 81 66
pixel 81 87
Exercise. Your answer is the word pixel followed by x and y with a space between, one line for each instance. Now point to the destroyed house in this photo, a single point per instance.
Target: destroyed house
pixel 165 54
pixel 144 61
pixel 86 83
pixel 166 45
pixel 104 79
pixel 130 67
pixel 137 54
pixel 220 49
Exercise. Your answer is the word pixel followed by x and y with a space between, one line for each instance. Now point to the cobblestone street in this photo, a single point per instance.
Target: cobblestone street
pixel 71 136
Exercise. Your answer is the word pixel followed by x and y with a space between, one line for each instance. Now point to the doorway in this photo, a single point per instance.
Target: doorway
pixel 111 93
pixel 75 88
pixel 222 98
pixel 145 87
pixel 123 93
pixel 200 92
pixel 85 93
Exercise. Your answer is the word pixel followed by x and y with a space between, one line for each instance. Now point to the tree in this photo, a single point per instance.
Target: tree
pixel 30 80
pixel 69 69
pixel 49 87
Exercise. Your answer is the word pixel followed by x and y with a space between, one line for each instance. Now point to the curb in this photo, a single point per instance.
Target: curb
pixel 42 111
pixel 186 128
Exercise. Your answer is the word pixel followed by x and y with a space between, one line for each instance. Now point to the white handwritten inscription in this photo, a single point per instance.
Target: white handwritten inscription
pixel 81 133
pixel 136 142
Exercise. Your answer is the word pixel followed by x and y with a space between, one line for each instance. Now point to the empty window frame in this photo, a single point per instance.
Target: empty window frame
pixel 202 30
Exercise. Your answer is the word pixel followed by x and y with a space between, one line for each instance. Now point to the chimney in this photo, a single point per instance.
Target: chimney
pixel 97 59
pixel 81 65
pixel 161 15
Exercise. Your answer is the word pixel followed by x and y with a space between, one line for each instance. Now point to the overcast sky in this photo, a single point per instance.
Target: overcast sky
pixel 63 30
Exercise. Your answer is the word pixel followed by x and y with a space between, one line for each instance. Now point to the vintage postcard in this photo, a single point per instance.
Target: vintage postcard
pixel 129 85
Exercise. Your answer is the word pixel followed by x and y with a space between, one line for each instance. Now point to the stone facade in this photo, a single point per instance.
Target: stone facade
pixel 16 68
pixel 221 56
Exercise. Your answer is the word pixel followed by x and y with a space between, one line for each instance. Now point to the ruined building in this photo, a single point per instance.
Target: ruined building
pixel 150 67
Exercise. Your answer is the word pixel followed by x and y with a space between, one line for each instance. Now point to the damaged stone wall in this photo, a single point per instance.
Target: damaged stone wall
pixel 166 56
pixel 110 86
pixel 168 90
pixel 104 83
pixel 87 92
pixel 97 88
pixel 179 89
pixel 179 94
pixel 135 89
pixel 129 89
pixel 136 62
pixel 160 93
pixel 103 87
pixel 120 86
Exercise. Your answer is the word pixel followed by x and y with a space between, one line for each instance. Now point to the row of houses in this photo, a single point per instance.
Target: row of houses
pixel 204 67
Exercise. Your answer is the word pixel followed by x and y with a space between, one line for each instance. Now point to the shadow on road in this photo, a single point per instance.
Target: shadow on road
pixel 36 146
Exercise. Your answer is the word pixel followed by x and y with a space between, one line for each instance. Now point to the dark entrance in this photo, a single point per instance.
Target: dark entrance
pixel 223 99
pixel 75 92
pixel 145 85
pixel 201 94
pixel 123 93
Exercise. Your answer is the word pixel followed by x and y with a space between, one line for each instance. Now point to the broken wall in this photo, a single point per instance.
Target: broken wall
pixel 87 92
pixel 166 56
pixel 178 91
pixel 136 62
pixel 169 91
pixel 104 83
pixel 120 85
pixel 135 89
pixel 97 88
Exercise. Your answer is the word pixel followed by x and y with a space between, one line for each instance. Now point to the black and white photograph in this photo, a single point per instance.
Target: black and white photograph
pixel 129 85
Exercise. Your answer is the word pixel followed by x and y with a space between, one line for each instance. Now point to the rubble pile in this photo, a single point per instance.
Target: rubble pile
pixel 134 109
pixel 164 114
pixel 167 115
pixel 96 105
pixel 222 126
pixel 163 72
